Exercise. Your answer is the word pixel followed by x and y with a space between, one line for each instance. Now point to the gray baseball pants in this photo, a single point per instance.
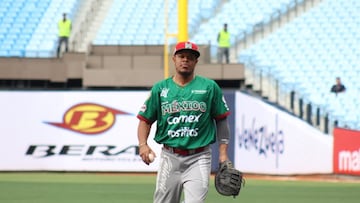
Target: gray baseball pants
pixel 188 174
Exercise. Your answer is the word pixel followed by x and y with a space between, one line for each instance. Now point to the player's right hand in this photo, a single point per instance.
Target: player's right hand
pixel 144 151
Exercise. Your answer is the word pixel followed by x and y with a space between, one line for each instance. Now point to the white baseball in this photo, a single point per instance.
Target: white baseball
pixel 151 157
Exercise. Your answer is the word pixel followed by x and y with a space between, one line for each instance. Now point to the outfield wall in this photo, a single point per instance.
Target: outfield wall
pixel 96 131
pixel 271 141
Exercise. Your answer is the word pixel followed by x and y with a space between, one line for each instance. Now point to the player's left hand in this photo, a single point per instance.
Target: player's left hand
pixel 228 180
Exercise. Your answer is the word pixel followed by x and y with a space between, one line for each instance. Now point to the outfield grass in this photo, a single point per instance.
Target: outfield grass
pixel 111 188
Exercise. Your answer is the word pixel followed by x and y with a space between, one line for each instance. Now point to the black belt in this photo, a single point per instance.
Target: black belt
pixel 185 152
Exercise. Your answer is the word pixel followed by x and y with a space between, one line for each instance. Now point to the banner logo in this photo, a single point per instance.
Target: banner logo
pixel 88 118
pixel 261 139
pixel 346 153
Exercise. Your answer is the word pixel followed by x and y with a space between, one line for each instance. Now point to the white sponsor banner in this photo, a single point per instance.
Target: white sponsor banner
pixel 271 141
pixel 72 131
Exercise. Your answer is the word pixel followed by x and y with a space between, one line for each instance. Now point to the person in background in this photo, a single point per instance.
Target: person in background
pixel 338 87
pixel 223 40
pixel 190 112
pixel 64 26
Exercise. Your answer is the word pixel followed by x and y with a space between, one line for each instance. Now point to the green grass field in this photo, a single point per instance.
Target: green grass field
pixel 111 188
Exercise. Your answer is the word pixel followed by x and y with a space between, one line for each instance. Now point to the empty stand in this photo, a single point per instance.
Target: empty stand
pixel 242 17
pixel 29 27
pixel 143 22
pixel 33 23
pixel 307 54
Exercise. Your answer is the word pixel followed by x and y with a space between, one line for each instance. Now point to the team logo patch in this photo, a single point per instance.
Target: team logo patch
pixel 143 108
pixel 164 92
pixel 188 45
pixel 88 118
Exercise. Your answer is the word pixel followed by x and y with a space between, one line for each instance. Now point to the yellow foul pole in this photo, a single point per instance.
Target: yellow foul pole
pixel 182 20
pixel 182 30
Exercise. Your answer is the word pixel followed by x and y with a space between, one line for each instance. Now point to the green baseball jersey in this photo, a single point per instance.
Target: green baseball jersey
pixel 185 115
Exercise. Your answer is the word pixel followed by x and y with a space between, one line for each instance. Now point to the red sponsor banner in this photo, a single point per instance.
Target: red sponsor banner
pixel 346 151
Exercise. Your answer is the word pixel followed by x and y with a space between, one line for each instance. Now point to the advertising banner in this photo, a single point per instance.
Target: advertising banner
pixel 97 131
pixel 271 141
pixel 71 131
pixel 346 151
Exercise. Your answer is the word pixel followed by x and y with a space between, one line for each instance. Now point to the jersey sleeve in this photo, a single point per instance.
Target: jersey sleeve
pixel 220 108
pixel 148 111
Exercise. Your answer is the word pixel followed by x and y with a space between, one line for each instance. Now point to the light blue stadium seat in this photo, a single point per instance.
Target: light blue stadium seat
pixel 4 52
pixel 47 49
pixel 16 53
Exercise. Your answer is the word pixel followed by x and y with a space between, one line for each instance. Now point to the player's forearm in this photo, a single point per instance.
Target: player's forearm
pixel 223 152
pixel 223 135
pixel 143 132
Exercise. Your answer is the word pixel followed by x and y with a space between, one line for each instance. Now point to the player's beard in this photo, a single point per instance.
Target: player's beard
pixel 186 74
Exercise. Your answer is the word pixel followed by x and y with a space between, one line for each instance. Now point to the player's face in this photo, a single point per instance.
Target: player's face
pixel 185 62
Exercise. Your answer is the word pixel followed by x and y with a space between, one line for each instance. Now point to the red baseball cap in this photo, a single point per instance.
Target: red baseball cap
pixel 187 46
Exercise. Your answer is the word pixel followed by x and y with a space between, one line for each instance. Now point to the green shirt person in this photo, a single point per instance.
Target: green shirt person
pixel 190 114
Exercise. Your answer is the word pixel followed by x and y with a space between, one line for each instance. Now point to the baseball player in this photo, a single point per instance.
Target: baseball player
pixel 191 113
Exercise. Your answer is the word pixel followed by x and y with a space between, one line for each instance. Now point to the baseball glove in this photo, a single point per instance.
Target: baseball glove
pixel 228 180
